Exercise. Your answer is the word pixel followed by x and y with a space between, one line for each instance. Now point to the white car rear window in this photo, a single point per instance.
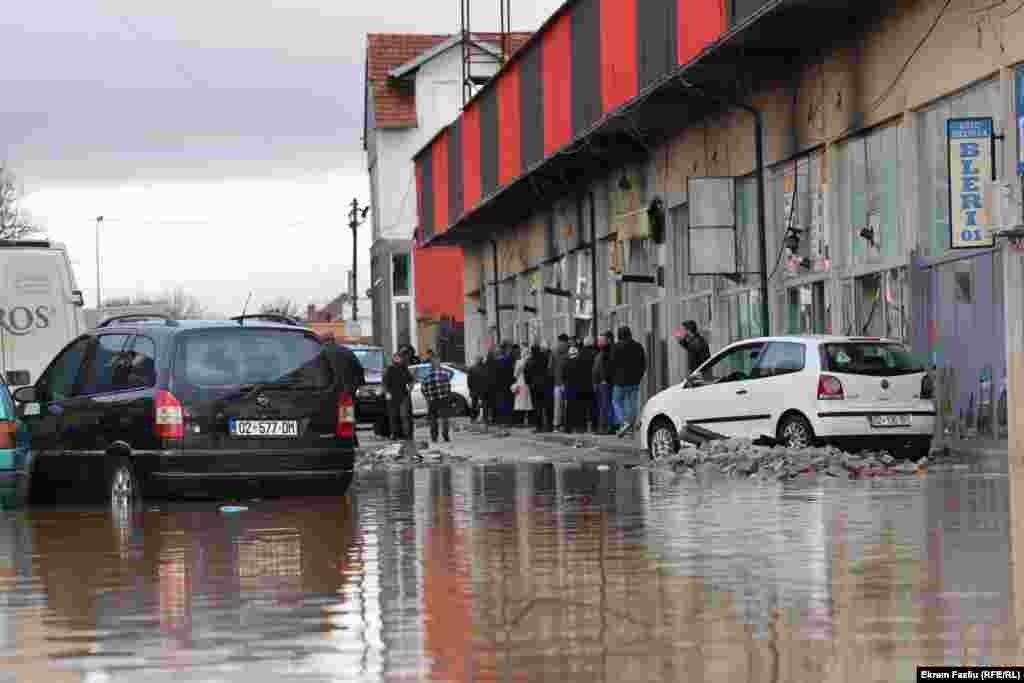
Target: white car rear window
pixel 870 358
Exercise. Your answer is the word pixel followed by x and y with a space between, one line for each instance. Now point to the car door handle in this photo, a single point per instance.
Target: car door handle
pixel 741 392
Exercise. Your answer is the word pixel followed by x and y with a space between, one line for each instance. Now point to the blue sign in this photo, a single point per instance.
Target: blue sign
pixel 971 151
pixel 1019 114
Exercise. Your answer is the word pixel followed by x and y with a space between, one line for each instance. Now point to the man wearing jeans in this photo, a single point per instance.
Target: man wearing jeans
pixel 437 389
pixel 629 365
pixel 602 376
pixel 559 360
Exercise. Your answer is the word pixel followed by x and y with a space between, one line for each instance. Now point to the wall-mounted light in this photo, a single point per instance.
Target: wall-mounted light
pixel 868 234
pixel 792 239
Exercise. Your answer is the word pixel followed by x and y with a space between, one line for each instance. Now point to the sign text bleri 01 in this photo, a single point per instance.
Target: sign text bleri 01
pixel 970 146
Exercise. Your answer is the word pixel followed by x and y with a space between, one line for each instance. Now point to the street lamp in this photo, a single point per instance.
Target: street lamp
pixel 356 217
pixel 99 299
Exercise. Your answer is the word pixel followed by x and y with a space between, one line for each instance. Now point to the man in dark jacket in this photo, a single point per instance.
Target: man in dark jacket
pixel 583 387
pixel 559 358
pixel 477 387
pixel 492 392
pixel 696 346
pixel 629 361
pixel 397 381
pixel 536 372
pixel 601 378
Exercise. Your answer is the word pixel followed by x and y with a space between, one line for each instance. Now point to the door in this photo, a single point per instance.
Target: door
pixel 58 386
pixel 91 415
pixel 780 386
pixel 717 397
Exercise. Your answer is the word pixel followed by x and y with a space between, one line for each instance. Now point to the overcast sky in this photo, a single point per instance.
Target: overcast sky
pixel 220 140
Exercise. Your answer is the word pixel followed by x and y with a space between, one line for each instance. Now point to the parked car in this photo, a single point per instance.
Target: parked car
pixel 854 392
pixel 460 389
pixel 371 406
pixel 151 407
pixel 40 304
pixel 14 446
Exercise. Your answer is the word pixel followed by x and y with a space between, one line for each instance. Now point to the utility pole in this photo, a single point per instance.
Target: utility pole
pixel 99 298
pixel 356 217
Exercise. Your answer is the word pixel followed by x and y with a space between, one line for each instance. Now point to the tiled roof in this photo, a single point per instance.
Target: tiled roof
pixel 395 107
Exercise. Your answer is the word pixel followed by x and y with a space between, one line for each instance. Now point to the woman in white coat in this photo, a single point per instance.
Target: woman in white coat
pixel 521 389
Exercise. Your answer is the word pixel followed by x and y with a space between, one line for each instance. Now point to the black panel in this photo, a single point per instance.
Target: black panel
pixel 456 189
pixel 489 142
pixel 531 105
pixel 586 65
pixel 656 39
pixel 427 193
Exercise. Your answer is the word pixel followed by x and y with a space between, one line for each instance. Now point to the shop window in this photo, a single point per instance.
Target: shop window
pixel 879 300
pixel 797 188
pixel 869 197
pixel 743 315
pixel 400 280
pixel 806 310
pixel 963 281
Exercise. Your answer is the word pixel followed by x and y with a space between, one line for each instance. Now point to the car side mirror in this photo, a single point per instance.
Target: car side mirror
pixel 77 298
pixel 26 395
pixel 18 378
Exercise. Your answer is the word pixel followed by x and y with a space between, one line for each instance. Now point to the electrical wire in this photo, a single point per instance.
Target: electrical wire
pixel 789 221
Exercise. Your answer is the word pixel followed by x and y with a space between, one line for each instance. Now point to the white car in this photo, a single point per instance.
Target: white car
pixel 460 388
pixel 854 392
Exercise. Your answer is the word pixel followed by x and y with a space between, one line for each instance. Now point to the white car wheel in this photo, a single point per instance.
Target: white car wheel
pixel 796 432
pixel 662 440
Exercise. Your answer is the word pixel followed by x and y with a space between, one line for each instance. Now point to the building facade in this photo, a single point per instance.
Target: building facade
pixel 413 89
pixel 856 166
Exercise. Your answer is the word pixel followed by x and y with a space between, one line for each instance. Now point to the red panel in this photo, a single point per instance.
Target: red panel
pixel 509 159
pixel 557 64
pixel 439 282
pixel 701 22
pixel 471 156
pixel 619 75
pixel 419 202
pixel 439 154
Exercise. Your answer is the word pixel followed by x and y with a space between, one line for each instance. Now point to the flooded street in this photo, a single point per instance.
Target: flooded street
pixel 519 573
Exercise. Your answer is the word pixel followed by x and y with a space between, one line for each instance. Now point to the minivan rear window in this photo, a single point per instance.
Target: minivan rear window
pixel 229 358
pixel 870 358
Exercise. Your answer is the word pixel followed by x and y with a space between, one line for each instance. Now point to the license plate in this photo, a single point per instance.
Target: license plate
pixel 264 428
pixel 889 420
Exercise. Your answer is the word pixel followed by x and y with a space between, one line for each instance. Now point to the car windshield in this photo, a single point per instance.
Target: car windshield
pixel 237 357
pixel 871 358
pixel 370 359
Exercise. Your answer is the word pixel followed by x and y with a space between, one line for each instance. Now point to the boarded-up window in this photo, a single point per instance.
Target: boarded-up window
pixel 870 195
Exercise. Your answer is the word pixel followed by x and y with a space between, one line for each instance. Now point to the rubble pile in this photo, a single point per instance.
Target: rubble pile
pixel 405 454
pixel 741 458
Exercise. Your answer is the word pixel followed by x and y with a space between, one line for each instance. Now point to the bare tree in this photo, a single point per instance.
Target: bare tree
pixel 15 222
pixel 176 303
pixel 281 306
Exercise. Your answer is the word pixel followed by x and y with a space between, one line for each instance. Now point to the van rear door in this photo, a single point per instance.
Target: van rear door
pixel 37 318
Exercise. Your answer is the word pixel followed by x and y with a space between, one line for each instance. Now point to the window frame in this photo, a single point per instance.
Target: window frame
pixel 42 385
pixel 87 382
pixel 719 357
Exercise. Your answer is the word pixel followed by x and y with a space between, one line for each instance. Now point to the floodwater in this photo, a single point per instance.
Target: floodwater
pixel 519 573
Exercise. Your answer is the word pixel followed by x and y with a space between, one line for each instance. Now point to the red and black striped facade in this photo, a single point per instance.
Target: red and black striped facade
pixel 590 59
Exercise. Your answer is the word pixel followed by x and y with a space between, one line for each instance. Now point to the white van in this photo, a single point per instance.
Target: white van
pixel 40 307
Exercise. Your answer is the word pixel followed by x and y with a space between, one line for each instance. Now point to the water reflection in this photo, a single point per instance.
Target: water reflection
pixel 520 573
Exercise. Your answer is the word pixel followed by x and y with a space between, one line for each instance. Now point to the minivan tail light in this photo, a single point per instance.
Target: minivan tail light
pixel 830 389
pixel 170 418
pixel 346 423
pixel 8 433
pixel 927 387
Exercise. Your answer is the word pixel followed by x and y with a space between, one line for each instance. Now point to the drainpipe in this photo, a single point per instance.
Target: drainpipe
pixel 497 303
pixel 762 228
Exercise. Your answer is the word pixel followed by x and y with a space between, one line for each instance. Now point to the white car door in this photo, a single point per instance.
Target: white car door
pixel 419 403
pixel 716 398
pixel 779 385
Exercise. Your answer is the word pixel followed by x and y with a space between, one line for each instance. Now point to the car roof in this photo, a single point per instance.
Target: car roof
pixel 172 326
pixel 817 339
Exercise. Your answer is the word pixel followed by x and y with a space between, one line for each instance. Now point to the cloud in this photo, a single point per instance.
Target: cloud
pixel 222 139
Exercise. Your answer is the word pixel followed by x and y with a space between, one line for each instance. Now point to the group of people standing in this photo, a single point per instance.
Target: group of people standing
pixel 591 385
pixel 437 390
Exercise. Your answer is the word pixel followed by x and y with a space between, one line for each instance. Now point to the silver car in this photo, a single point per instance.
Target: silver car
pixel 460 389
